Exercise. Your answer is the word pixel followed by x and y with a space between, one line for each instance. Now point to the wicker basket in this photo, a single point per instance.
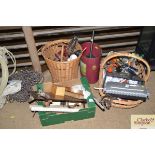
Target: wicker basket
pixel 145 75
pixel 60 71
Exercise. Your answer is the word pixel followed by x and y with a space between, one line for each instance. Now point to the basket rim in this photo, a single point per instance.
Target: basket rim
pixel 56 41
pixel 59 41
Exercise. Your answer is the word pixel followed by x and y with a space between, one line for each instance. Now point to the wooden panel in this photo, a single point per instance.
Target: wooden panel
pixel 111 38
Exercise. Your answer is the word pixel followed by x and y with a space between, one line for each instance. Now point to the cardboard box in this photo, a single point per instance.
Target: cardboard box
pixel 50 118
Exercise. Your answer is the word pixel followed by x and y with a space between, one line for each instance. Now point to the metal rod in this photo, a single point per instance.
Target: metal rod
pixel 91 46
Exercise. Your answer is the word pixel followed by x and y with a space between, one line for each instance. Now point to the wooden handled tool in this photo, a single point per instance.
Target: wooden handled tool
pixel 48 97
pixel 62 53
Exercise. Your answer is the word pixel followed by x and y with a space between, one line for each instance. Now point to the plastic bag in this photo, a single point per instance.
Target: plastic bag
pixel 13 87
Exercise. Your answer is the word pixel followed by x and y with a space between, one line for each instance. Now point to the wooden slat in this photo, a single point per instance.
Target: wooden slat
pixel 11 36
pixel 129 51
pixel 49 32
pixel 25 64
pixel 14 47
pixel 19 56
pixel 112 36
pixel 80 29
pixel 10 27
pixel 119 44
pixel 81 39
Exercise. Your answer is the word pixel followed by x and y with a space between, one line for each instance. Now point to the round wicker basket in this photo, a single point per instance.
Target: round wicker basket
pixel 142 67
pixel 60 71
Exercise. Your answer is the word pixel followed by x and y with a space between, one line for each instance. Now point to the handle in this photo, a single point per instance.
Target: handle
pixel 62 53
pixel 92 42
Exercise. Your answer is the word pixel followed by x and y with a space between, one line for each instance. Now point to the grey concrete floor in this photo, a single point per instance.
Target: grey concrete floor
pixel 18 115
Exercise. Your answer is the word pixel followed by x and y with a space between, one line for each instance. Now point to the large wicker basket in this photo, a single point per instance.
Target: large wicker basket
pixel 60 71
pixel 145 75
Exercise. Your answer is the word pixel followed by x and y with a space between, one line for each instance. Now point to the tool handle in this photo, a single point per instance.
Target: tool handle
pixel 59 100
pixel 92 42
pixel 99 104
pixel 62 53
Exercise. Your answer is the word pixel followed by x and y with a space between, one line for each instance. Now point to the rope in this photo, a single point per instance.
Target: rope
pixel 4 51
pixel 3 61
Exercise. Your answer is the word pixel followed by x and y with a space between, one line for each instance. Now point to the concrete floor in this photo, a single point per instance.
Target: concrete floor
pixel 18 115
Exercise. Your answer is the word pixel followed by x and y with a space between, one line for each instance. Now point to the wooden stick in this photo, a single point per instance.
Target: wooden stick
pixel 62 53
pixel 83 51
pixel 32 47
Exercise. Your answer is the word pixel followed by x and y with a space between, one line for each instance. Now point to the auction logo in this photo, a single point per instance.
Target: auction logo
pixel 142 121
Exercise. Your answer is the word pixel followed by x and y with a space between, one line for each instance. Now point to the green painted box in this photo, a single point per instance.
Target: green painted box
pixel 50 118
